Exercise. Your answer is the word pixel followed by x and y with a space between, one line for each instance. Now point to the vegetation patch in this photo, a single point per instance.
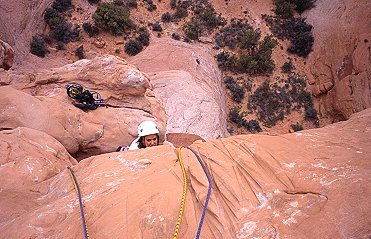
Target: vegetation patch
pixel 237 91
pixel 238 117
pixel 204 20
pixel 113 18
pixel 133 47
pixel 287 27
pixel 38 46
pixel 253 54
pixel 271 102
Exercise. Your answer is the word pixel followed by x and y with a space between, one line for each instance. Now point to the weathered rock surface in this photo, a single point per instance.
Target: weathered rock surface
pixel 49 109
pixel 341 58
pixel 310 184
pixel 6 55
pixel 187 80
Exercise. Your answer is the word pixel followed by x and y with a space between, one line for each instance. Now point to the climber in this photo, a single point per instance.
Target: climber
pixel 148 136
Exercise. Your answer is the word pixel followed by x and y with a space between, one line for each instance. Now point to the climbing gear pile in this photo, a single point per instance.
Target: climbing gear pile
pixel 85 99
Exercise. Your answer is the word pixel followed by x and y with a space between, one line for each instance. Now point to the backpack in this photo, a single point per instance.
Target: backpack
pixel 85 99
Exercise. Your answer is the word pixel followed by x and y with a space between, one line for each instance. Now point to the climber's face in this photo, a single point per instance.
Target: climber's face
pixel 150 140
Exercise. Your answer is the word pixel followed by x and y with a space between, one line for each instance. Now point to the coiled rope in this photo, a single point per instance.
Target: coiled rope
pixel 208 193
pixel 184 194
pixel 77 189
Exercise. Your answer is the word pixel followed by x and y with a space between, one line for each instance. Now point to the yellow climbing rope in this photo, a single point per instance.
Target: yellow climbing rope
pixel 184 194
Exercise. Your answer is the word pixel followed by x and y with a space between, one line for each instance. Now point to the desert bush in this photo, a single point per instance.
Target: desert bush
pixel 143 36
pixel 250 39
pixel 61 5
pixel 302 5
pixel 131 3
pixel 288 66
pixel 301 44
pixel 237 91
pixel 224 61
pixel 60 46
pixel 92 30
pixel 270 102
pixel 173 4
pixel 192 29
pixel 175 36
pixel 209 18
pixel 38 46
pixel 284 8
pixel 156 27
pixel 237 117
pixel 94 1
pixel 294 29
pixel 231 35
pixel 297 127
pixel 311 114
pixel 64 32
pixel 180 12
pixel 113 18
pixel 166 17
pixel 79 52
pixel 52 17
pixel 133 47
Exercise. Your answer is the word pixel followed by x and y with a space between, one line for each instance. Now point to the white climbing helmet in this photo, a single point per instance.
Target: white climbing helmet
pixel 147 128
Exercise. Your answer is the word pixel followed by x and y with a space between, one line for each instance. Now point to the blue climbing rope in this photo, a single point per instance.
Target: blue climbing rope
pixel 208 193
pixel 77 189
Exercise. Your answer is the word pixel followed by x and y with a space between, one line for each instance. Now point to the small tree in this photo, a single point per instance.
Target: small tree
pixel 79 52
pixel 38 46
pixel 133 47
pixel 113 18
pixel 62 5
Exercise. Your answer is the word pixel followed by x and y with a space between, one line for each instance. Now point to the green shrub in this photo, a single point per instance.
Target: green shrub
pixel 271 103
pixel 175 36
pixel 288 66
pixel 38 46
pixel 113 18
pixel 52 17
pixel 297 127
pixel 237 91
pixel 180 12
pixel 61 5
pixel 250 39
pixel 90 29
pixel 79 52
pixel 131 3
pixel 192 29
pixel 65 33
pixel 302 5
pixel 144 36
pixel 166 17
pixel 294 29
pixel 284 8
pixel 236 117
pixel 301 44
pixel 156 27
pixel 173 4
pixel 60 46
pixel 133 47
pixel 231 35
pixel 94 1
